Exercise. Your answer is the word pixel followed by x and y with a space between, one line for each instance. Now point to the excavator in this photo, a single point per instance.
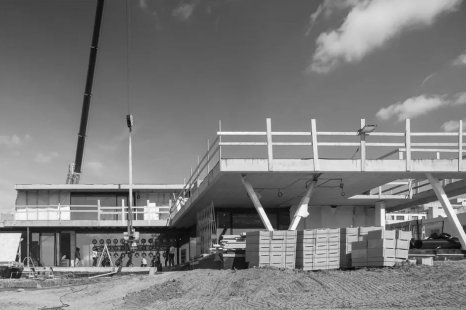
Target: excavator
pixel 74 169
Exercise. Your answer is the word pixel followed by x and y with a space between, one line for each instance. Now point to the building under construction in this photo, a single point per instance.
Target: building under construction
pixel 248 181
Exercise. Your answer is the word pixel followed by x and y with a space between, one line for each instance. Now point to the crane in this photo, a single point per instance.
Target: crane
pixel 74 170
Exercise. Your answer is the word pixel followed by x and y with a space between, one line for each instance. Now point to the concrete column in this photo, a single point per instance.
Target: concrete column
pixel 380 214
pixel 257 204
pixel 302 210
pixel 447 207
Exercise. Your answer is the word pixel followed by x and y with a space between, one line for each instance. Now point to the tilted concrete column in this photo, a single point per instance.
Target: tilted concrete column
pixel 380 214
pixel 447 207
pixel 302 210
pixel 257 204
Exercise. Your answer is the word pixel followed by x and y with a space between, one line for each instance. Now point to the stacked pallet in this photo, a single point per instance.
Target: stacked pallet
pixel 348 235
pixel 318 249
pixel 380 248
pixel 403 239
pixel 271 248
pixel 233 242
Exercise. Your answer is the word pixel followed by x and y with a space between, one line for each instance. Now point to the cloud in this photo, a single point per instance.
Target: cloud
pixel 184 11
pixel 460 60
pixel 369 25
pixel 452 125
pixel 420 105
pixel 328 8
pixel 45 158
pixel 14 140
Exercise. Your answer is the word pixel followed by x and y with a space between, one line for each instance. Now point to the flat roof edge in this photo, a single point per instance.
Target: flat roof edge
pixel 97 186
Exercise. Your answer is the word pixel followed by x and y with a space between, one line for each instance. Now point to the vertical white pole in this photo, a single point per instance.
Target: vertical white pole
pixel 380 214
pixel 98 210
pixel 220 143
pixel 408 144
pixel 123 211
pixel 269 144
pixel 460 146
pixel 362 147
pixel 59 211
pixel 315 149
pixel 130 198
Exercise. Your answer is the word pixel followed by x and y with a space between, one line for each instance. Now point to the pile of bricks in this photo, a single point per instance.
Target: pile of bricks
pixel 318 249
pixel 380 248
pixel 271 248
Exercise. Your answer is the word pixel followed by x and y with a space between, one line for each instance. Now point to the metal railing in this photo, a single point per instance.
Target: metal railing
pixel 316 145
pixel 62 212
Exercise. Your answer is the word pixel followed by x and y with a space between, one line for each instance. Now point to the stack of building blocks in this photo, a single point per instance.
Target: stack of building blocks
pixel 403 239
pixel 380 248
pixel 348 235
pixel 318 249
pixel 271 248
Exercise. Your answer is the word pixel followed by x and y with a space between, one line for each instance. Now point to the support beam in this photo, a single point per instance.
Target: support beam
pixel 380 214
pixel 302 210
pixel 257 204
pixel 447 207
pixel 362 146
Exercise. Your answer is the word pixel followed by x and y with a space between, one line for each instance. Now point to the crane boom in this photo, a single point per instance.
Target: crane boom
pixel 75 169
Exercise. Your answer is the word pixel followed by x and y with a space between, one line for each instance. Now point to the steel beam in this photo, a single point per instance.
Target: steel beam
pixel 451 215
pixel 380 214
pixel 257 203
pixel 302 210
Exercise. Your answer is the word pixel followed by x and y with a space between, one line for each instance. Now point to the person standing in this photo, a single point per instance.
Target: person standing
pixel 166 255
pixel 144 262
pixel 94 257
pixel 77 257
pixel 172 251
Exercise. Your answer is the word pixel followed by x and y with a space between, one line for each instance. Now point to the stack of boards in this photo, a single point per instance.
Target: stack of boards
pixel 318 249
pixel 380 248
pixel 271 248
pixel 321 249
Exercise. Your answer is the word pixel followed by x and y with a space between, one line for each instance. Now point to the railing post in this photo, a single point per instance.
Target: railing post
pixel 362 146
pixel 98 210
pixel 269 144
pixel 408 144
pixel 460 146
pixel 59 211
pixel 315 149
pixel 123 210
pixel 220 143
pixel 27 213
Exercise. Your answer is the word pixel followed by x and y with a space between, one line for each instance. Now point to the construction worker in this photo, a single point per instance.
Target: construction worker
pixel 77 257
pixel 94 257
pixel 171 255
pixel 144 262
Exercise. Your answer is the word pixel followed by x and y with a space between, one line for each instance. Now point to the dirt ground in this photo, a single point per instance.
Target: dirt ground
pixel 442 286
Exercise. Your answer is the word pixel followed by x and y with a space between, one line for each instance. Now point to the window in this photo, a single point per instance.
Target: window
pixel 415 217
pixel 400 217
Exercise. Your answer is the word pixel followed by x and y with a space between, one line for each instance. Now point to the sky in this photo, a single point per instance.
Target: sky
pixel 195 62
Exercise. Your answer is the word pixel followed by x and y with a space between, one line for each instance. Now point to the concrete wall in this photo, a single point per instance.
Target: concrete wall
pixel 341 216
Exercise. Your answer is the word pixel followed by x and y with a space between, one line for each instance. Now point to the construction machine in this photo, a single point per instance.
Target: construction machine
pixel 74 170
